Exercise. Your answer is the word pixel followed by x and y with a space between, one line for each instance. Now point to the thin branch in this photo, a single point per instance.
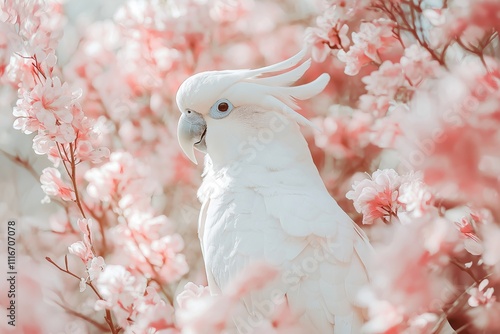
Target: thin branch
pixel 72 312
pixel 62 158
pixel 101 221
pixel 465 269
pixel 458 303
pixel 107 317
pixel 73 180
pixel 463 328
pixel 21 162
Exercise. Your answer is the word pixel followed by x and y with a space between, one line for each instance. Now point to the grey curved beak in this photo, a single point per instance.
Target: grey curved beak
pixel 191 133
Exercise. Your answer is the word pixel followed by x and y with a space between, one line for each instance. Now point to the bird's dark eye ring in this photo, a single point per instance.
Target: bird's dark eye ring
pixel 223 107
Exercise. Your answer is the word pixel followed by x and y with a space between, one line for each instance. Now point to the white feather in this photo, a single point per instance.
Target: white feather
pixel 286 78
pixel 281 66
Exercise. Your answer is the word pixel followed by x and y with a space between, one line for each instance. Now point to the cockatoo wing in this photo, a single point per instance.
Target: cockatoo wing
pixel 214 287
pixel 299 229
pixel 332 262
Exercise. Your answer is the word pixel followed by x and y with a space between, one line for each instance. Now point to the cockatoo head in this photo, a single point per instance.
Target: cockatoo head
pixel 222 108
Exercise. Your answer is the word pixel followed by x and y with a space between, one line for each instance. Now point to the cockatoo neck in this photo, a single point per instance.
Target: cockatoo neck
pixel 266 139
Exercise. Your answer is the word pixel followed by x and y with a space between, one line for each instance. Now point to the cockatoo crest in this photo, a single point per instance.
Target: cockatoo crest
pixel 245 87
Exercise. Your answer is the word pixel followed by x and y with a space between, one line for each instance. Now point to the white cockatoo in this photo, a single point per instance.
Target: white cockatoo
pixel 263 198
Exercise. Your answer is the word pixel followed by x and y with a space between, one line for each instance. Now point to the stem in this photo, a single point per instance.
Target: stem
pixel 70 311
pixel 102 224
pixel 73 180
pixel 72 176
pixel 62 158
pixel 23 163
pixel 107 317
pixel 465 269
pixel 451 310
pixel 463 328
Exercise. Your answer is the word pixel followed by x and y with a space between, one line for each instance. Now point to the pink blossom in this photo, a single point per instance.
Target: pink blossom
pixel 491 253
pixel 151 312
pixel 378 105
pixel 345 134
pixel 59 222
pixel 83 284
pixel 445 123
pixel 84 249
pixel 330 34
pixel 46 107
pixel 480 296
pixel 230 10
pixel 190 293
pixel 355 59
pixel 104 181
pixel 42 143
pixel 386 80
pixel 372 38
pixel 471 243
pixel 166 255
pixel 469 22
pixel 207 315
pixel 52 152
pixel 417 64
pixel 386 131
pixel 415 196
pixel 423 323
pixel 202 313
pixel 384 317
pixel 440 240
pixel 377 197
pixel 53 185
pixel 121 175
pixel 81 250
pixel 385 87
pixel 320 47
pixel 95 267
pixel 453 145
pixel 120 289
pixel 407 279
pixel 85 151
pixel 85 225
pixel 485 317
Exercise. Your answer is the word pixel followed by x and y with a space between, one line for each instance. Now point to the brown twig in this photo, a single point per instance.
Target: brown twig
pixel 23 163
pixel 101 221
pixel 73 179
pixel 458 303
pixel 465 269
pixel 72 312
pixel 107 317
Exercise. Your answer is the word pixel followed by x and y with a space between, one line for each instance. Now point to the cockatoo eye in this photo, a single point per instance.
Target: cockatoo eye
pixel 221 109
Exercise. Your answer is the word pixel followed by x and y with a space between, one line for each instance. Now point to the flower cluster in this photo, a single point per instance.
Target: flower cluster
pixel 386 195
